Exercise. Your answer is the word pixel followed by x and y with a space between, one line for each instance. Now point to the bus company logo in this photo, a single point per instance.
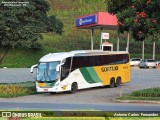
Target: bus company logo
pixel 80 21
pixel 85 21
pixel 112 68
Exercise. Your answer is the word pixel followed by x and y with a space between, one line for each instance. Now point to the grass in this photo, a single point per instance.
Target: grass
pixel 134 118
pixel 150 92
pixel 146 94
pixel 90 118
pixel 19 89
pixel 67 118
pixel 139 98
pixel 20 59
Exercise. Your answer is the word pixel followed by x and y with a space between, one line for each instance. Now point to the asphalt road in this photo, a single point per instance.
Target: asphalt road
pixel 15 75
pixel 95 98
pixel 87 107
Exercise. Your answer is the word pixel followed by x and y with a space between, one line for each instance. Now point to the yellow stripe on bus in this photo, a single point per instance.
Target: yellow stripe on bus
pixel 105 73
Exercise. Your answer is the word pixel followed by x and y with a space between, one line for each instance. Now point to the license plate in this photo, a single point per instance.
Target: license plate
pixel 45 90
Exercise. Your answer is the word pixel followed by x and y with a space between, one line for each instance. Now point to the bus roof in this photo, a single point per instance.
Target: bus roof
pixel 62 55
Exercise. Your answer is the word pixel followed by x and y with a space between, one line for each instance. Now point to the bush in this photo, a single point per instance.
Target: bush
pixel 151 92
pixel 13 90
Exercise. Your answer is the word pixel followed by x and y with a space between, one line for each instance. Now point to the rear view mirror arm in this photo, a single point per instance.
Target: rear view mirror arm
pixel 33 66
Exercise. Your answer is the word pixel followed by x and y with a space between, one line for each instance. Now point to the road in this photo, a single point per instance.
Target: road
pixel 15 75
pixel 70 106
pixel 95 98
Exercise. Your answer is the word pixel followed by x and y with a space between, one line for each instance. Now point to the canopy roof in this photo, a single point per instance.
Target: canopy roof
pixel 99 20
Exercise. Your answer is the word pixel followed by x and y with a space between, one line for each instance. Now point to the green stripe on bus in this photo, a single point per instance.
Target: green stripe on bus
pixel 86 75
pixel 93 74
pixel 50 84
pixel 90 75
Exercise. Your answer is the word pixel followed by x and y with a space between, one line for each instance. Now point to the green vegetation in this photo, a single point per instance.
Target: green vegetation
pixel 72 38
pixel 140 17
pixel 90 118
pixel 17 89
pixel 146 94
pixel 21 27
pixel 67 118
pixel 151 92
pixel 134 118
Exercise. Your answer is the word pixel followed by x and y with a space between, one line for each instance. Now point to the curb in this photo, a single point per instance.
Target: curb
pixel 136 67
pixel 137 101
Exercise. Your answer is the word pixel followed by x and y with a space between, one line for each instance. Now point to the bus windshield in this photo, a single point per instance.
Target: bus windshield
pixel 47 71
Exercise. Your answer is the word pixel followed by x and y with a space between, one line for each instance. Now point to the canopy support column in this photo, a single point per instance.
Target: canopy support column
pixel 101 35
pixel 92 34
pixel 101 39
pixel 127 42
pixel 117 41
pixel 154 50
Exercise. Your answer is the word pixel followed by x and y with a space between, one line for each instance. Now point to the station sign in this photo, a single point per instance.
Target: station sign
pixel 86 20
pixel 105 35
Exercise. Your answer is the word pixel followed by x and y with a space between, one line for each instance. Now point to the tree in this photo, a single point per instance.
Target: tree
pixel 21 23
pixel 141 17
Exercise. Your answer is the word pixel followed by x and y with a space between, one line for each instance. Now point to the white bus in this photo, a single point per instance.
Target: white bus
pixel 71 71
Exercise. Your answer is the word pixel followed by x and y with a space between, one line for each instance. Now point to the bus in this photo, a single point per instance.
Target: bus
pixel 80 69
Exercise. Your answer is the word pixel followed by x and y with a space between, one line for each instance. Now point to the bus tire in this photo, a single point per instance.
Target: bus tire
pixel 118 82
pixel 74 88
pixel 112 82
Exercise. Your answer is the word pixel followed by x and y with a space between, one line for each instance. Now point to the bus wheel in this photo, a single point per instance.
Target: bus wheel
pixel 112 82
pixel 118 82
pixel 74 88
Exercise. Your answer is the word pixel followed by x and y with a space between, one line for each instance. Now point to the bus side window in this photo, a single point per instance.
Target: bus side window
pixel 108 59
pixel 95 60
pixel 121 59
pixel 67 61
pixel 64 72
pixel 85 58
pixel 65 68
pixel 79 62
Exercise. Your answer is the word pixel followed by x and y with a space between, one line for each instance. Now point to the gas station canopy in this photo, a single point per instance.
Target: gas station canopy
pixel 99 20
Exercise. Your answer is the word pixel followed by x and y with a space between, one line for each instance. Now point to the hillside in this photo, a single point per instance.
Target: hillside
pixel 72 38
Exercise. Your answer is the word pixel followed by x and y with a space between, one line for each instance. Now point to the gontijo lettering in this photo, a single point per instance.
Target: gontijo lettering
pixel 112 68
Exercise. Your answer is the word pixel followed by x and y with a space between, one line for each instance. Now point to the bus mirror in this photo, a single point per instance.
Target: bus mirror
pixel 33 67
pixel 58 67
